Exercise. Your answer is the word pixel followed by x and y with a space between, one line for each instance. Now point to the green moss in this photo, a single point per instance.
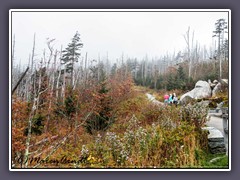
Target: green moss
pixel 214 161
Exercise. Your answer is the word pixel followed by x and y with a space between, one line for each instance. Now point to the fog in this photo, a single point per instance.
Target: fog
pixel 112 34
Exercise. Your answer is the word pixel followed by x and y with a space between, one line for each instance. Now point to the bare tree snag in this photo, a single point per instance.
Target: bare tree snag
pixel 19 81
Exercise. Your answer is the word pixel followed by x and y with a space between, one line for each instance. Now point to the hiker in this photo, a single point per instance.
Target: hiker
pixel 175 99
pixel 170 99
pixel 166 96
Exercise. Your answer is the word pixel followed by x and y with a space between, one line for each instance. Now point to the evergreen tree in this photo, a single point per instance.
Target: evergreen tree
pixel 71 54
pixel 224 49
pixel 220 25
pixel 181 78
pixel 70 105
pixel 37 125
pixel 101 120
pixel 170 82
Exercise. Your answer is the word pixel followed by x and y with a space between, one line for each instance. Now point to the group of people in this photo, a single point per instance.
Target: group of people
pixel 170 99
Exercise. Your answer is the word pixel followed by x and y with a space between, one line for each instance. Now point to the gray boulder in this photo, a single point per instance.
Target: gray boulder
pixel 202 90
pixel 203 103
pixel 186 98
pixel 224 82
pixel 209 81
pixel 212 84
pixel 153 100
pixel 216 89
pixel 215 140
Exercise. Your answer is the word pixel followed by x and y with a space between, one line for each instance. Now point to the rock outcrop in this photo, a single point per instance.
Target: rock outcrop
pixel 216 89
pixel 212 84
pixel 202 90
pixel 215 141
pixel 224 82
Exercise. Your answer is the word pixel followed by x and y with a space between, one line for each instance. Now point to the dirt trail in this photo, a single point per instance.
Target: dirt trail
pixel 153 99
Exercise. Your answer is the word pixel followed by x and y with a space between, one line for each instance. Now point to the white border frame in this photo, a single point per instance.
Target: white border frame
pixel 122 10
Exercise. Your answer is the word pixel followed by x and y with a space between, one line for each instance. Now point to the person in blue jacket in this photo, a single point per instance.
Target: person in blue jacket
pixel 170 99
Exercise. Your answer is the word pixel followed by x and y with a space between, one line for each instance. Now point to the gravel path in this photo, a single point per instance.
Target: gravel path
pixel 215 122
pixel 153 99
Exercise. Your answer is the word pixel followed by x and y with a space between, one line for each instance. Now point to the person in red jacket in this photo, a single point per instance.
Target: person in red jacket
pixel 166 97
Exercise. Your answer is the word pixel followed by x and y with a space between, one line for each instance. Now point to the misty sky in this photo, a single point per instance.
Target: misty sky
pixel 133 33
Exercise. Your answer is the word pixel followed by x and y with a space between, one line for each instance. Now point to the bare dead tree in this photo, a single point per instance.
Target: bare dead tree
pixel 51 49
pixel 64 82
pixel 19 81
pixel 197 52
pixel 28 79
pixel 98 70
pixel 221 25
pixel 32 76
pixel 33 53
pixel 142 67
pixel 155 76
pixel 51 91
pixel 13 50
pixel 186 37
pixel 35 105
pixel 59 75
pixel 187 40
pixel 86 73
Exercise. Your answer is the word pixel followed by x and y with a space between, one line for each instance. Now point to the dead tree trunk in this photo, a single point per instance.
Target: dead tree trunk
pixel 187 39
pixel 51 93
pixel 32 113
pixel 13 49
pixel 85 78
pixel 59 75
pixel 19 81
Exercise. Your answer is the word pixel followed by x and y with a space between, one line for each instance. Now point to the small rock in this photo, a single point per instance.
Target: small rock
pixel 215 159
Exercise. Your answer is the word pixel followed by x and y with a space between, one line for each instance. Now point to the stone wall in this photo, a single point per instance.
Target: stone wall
pixel 215 140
